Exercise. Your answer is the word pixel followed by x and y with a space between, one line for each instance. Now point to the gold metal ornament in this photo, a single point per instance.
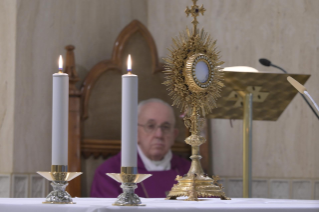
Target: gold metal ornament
pixel 194 81
pixel 194 11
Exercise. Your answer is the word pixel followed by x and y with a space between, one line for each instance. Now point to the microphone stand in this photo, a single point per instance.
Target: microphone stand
pixel 313 110
pixel 279 68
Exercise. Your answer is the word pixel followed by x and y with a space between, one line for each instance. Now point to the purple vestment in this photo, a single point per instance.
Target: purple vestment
pixel 157 186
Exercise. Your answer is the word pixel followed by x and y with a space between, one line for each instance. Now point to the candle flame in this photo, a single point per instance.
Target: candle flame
pixel 60 64
pixel 129 63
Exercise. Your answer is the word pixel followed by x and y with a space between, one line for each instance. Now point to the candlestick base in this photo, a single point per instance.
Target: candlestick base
pixel 128 197
pixel 59 183
pixel 59 195
pixel 129 181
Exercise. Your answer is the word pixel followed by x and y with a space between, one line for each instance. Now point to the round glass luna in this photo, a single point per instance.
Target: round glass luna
pixel 202 71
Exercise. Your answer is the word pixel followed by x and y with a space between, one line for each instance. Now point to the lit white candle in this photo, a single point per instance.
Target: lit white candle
pixel 129 117
pixel 60 117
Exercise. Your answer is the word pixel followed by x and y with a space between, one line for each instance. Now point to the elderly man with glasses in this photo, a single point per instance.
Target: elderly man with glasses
pixel 156 135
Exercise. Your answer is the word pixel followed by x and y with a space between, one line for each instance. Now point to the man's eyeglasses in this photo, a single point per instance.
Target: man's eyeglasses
pixel 151 128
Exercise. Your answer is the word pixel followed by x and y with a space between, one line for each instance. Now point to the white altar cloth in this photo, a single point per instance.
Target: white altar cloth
pixel 160 205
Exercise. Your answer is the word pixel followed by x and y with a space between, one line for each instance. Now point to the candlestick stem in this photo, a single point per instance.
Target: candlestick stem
pixel 59 195
pixel 128 197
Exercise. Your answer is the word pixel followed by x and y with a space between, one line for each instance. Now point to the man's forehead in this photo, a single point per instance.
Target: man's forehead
pixel 157 112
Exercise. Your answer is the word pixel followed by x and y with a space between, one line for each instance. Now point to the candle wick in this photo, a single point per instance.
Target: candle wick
pixel 129 72
pixel 60 71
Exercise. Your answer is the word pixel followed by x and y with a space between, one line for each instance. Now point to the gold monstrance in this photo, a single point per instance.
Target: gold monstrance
pixel 194 83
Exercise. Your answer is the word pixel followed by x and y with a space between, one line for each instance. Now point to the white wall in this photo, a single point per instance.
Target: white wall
pixel 7 82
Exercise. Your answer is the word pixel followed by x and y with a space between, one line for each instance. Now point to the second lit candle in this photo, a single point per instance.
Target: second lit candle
pixel 129 117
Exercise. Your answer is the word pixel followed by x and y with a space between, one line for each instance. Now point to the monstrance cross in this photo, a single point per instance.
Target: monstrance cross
pixel 194 11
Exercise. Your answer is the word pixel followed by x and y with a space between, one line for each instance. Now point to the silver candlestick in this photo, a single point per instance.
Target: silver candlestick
pixel 59 177
pixel 129 178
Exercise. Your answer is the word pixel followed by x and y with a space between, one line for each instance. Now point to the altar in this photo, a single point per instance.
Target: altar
pixel 158 204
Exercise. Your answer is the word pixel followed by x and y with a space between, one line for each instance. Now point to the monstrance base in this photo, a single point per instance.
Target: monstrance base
pixel 195 186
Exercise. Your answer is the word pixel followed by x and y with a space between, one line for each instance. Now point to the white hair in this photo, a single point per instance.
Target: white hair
pixel 145 102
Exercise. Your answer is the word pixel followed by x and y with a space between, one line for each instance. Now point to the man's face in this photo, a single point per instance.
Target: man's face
pixel 156 133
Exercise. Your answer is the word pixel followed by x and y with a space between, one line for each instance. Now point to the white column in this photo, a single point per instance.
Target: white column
pixel 129 120
pixel 60 118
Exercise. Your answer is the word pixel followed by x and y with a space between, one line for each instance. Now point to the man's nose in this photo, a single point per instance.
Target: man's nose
pixel 158 132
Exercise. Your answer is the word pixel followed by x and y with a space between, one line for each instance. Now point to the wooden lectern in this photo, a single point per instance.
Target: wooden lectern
pixel 253 95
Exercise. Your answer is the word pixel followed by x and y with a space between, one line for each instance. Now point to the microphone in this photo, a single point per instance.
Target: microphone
pixel 266 62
